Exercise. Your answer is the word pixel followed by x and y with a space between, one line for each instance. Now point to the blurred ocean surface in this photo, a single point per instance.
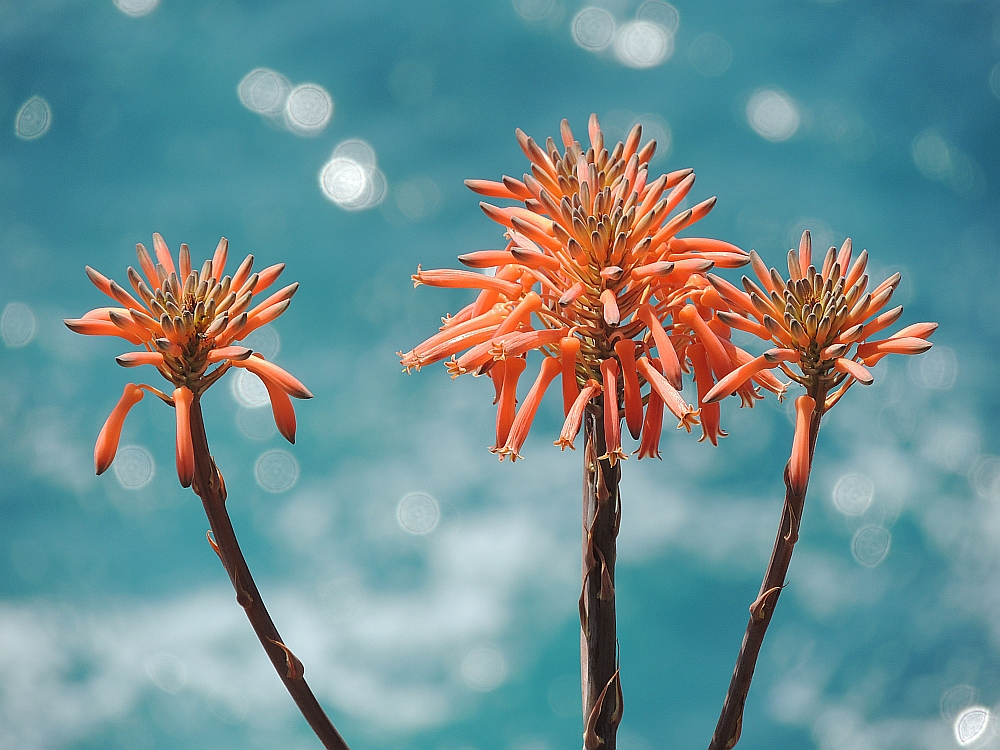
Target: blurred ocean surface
pixel 431 591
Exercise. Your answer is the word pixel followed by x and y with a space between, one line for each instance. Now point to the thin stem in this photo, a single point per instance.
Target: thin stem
pixel 209 486
pixel 602 694
pixel 727 731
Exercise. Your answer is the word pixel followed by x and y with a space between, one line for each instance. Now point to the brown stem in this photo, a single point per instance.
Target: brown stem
pixel 602 694
pixel 209 486
pixel 727 731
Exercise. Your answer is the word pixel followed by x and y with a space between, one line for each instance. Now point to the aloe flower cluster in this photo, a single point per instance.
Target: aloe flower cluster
pixel 595 278
pixel 187 320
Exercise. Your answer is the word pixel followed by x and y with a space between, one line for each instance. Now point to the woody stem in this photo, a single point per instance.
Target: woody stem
pixel 727 731
pixel 209 487
pixel 602 696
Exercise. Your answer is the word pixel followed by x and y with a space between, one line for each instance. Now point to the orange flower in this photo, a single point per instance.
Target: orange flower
pixel 188 320
pixel 815 318
pixel 594 277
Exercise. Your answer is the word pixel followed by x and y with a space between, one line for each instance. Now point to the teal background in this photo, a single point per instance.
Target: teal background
pixel 118 627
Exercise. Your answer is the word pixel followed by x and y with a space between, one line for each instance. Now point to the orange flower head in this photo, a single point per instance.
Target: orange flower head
pixel 592 273
pixel 188 320
pixel 821 321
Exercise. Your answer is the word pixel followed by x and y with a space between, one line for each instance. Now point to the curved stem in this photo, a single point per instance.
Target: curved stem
pixel 210 487
pixel 602 694
pixel 727 731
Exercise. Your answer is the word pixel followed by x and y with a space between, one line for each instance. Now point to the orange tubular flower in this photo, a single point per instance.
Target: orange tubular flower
pixel 188 320
pixel 815 318
pixel 592 273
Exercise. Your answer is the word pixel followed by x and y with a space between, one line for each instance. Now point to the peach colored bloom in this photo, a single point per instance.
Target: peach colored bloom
pixel 188 320
pixel 593 276
pixel 815 318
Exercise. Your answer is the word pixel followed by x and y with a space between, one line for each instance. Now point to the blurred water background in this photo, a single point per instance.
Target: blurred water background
pixel 430 591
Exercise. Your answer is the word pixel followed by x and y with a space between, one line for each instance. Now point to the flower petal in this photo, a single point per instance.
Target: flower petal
pixel 183 398
pixel 625 349
pixel 259 366
pixel 798 464
pixel 526 414
pixel 107 440
pixel 612 420
pixel 134 359
pixel 854 369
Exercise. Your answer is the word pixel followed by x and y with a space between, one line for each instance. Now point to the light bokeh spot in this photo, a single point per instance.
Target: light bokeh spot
pixel 418 198
pixel 136 8
pixel 853 494
pixel 134 467
pixel 936 369
pixel 931 154
pixel 984 476
pixel 710 55
pixel 418 513
pixel 248 389
pixel 276 471
pixel 870 545
pixel 17 325
pixel 308 109
pixel 773 115
pixel 33 119
pixel 351 179
pixel 956 699
pixel 593 28
pixel 484 669
pixel 533 10
pixel 662 14
pixel 643 44
pixel 358 151
pixel 167 672
pixel 256 424
pixel 264 91
pixel 971 724
pixel 264 340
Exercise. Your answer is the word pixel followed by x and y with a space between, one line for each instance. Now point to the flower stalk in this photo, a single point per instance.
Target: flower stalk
pixel 730 724
pixel 815 318
pixel 601 685
pixel 210 487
